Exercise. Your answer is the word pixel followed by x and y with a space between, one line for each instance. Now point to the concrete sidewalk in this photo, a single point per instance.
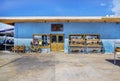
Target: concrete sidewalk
pixel 58 67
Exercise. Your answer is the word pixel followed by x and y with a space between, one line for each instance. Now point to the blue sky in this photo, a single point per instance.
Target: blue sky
pixel 59 7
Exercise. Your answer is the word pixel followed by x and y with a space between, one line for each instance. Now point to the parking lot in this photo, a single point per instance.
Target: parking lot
pixel 58 67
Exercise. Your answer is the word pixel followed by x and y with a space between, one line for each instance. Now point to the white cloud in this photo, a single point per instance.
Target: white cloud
pixel 116 7
pixel 102 4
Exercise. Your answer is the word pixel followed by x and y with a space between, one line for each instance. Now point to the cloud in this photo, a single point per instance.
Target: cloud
pixel 102 4
pixel 116 7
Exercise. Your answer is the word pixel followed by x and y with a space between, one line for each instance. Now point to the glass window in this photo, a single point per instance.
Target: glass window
pixel 41 40
pixel 54 39
pixel 60 39
pixel 57 27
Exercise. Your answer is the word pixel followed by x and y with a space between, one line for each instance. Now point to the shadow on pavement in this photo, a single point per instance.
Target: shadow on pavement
pixel 10 62
pixel 112 61
pixel 34 63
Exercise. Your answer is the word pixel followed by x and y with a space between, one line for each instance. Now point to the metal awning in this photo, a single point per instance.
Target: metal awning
pixel 12 20
pixel 7 32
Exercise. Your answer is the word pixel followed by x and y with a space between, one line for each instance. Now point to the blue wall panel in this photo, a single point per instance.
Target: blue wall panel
pixel 107 31
pixel 26 30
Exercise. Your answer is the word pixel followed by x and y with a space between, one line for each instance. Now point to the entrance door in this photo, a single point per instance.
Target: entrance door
pixel 57 42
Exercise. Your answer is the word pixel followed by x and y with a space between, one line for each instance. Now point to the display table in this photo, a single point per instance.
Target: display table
pixel 80 49
pixel 94 48
pixel 85 43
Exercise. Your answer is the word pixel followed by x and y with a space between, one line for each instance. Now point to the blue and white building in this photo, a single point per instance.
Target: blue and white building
pixel 25 27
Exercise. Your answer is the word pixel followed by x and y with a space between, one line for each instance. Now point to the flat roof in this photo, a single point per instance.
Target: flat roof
pixel 12 20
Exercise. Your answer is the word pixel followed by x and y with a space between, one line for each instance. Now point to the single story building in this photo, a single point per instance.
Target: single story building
pixel 61 33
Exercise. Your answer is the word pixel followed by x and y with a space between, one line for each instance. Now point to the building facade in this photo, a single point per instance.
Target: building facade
pixel 108 30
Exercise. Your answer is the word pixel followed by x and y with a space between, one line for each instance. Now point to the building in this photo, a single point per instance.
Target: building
pixel 58 29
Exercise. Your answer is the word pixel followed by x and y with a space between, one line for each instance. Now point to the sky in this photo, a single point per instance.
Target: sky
pixel 59 8
pixel 11 8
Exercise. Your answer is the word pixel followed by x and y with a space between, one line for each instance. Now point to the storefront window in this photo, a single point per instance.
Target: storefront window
pixel 41 40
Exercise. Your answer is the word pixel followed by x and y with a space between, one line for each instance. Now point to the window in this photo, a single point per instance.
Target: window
pixel 56 27
pixel 41 39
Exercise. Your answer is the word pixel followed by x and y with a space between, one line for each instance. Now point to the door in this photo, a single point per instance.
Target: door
pixel 57 42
